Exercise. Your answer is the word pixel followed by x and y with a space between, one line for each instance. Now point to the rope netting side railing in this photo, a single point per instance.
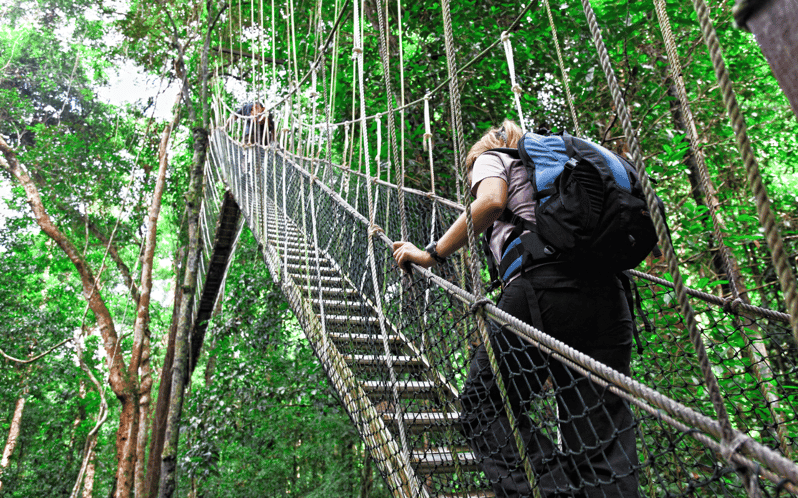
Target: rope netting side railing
pixel 679 447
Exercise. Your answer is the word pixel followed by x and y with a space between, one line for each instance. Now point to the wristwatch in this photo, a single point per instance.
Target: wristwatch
pixel 432 250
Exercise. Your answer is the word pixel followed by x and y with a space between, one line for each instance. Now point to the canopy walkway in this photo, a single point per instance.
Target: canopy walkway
pixel 713 389
pixel 397 350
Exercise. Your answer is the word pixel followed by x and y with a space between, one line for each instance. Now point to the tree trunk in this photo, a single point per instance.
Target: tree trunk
pixel 180 369
pixel 13 433
pixel 153 475
pixel 367 479
pixel 88 480
pixel 140 355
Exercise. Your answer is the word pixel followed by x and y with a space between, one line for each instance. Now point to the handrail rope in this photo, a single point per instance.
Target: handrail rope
pixel 514 86
pixel 565 82
pixel 729 305
pixel 766 218
pixel 760 362
pixel 710 380
pixel 575 359
pixel 460 164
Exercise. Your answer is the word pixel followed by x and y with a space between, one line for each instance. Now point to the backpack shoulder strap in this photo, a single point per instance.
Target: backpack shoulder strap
pixel 568 140
pixel 506 150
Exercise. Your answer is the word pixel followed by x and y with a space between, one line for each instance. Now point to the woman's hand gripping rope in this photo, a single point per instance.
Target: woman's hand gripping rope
pixel 406 252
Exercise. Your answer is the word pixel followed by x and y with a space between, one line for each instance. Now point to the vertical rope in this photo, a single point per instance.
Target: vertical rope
pixel 565 83
pixel 401 165
pixel 252 58
pixel 758 355
pixel 766 218
pixel 710 380
pixel 386 74
pixel 476 279
pixel 410 483
pixel 514 86
pixel 274 51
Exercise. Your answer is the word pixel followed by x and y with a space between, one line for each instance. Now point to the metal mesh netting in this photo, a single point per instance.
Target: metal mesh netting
pixel 398 351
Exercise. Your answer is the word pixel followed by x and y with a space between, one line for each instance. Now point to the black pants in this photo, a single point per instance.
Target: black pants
pixel 596 455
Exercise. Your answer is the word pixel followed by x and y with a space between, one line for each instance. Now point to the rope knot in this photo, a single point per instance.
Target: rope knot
pixel 517 88
pixel 727 449
pixel 505 36
pixel 375 229
pixel 732 305
pixel 357 50
pixel 478 304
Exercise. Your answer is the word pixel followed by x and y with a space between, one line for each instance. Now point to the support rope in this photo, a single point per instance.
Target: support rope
pixel 766 218
pixel 710 380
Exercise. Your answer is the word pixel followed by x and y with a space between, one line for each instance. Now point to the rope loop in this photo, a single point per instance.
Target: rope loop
pixel 727 449
pixel 479 304
pixel 505 36
pixel 732 305
pixel 780 486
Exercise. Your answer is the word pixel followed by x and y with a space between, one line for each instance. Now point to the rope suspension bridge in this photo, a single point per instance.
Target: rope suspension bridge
pixel 397 348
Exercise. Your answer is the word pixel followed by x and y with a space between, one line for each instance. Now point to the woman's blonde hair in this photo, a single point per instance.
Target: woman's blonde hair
pixel 507 136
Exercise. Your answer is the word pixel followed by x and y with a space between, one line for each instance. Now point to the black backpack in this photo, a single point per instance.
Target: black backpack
pixel 590 211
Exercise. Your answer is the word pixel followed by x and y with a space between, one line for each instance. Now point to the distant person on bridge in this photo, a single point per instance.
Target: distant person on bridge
pixel 259 125
pixel 585 308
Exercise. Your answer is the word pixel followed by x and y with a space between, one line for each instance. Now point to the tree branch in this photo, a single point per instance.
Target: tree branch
pixel 31 360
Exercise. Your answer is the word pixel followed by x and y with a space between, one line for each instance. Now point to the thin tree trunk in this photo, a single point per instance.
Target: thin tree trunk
pixel 179 374
pixel 13 432
pixel 153 475
pixel 180 368
pixel 88 480
pixel 140 356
